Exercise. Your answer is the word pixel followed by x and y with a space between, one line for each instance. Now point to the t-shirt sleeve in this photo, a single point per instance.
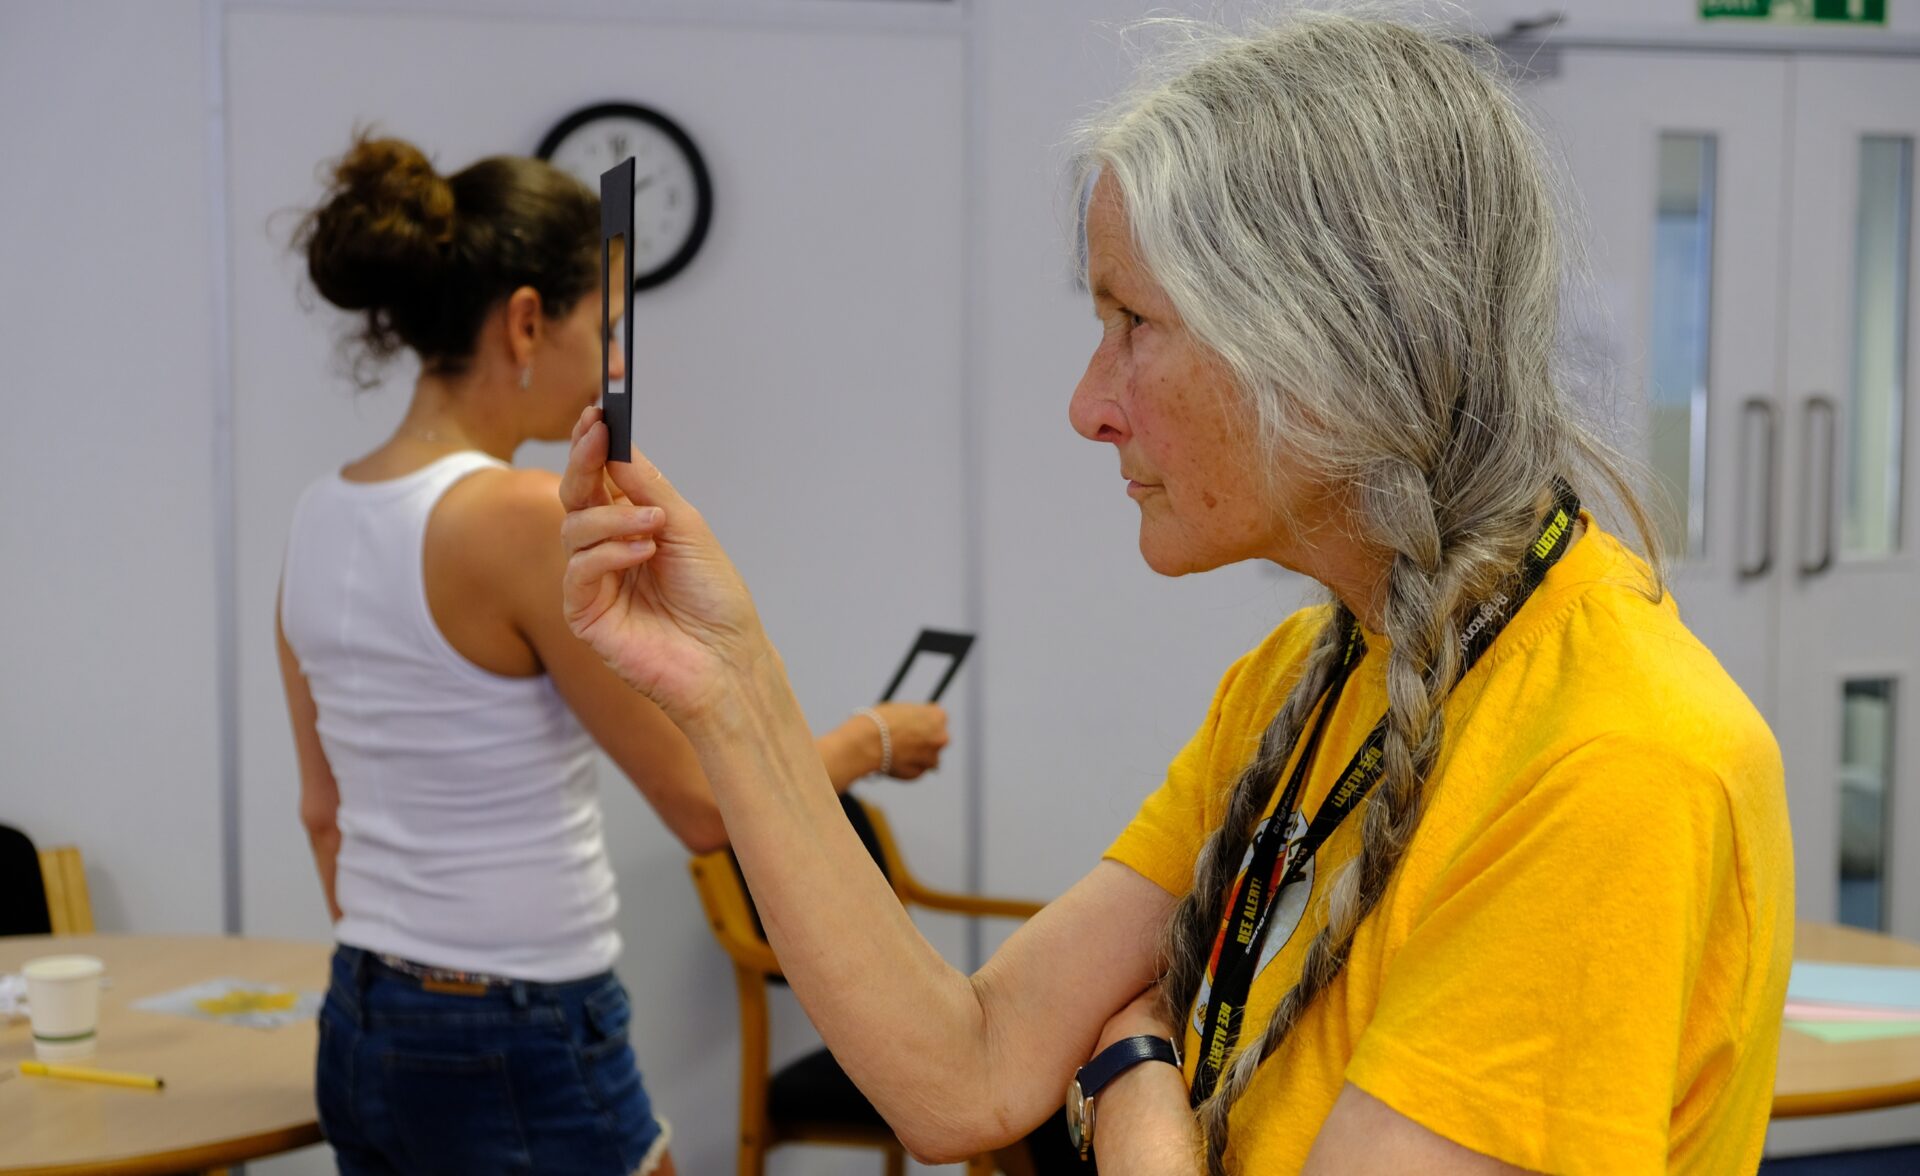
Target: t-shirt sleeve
pixel 1539 1006
pixel 1163 841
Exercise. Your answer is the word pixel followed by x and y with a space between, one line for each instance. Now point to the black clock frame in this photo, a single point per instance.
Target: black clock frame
pixel 702 182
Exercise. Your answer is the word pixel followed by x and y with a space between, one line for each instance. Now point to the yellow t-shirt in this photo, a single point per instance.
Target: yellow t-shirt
pixel 1579 965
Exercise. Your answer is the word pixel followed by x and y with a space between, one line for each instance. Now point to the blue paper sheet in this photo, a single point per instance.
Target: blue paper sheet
pixel 1856 984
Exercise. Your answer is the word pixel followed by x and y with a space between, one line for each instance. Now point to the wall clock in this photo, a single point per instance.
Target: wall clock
pixel 672 193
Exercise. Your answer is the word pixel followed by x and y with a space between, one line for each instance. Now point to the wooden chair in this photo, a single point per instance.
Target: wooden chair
pixel 812 1100
pixel 69 906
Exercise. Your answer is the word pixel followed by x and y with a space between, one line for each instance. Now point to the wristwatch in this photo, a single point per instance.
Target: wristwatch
pixel 1113 1061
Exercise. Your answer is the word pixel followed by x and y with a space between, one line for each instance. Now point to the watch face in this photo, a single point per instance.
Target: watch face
pixel 672 194
pixel 1079 1118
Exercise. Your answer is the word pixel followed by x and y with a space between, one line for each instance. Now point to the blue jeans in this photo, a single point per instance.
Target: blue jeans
pixel 522 1078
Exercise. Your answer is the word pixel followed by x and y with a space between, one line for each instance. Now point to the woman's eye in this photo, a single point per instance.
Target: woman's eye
pixel 1134 320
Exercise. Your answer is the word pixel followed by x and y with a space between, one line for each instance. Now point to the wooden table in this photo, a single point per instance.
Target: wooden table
pixel 1818 1078
pixel 232 1093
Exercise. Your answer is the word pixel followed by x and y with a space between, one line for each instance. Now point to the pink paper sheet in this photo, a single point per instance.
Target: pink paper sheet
pixel 1813 1010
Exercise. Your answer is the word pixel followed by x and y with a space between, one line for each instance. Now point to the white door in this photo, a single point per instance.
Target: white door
pixel 1786 180
pixel 1675 163
pixel 1849 687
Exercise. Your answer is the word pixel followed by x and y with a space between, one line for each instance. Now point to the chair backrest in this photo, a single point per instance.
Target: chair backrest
pixel 23 891
pixel 873 833
pixel 735 921
pixel 730 914
pixel 723 895
pixel 69 905
pixel 868 825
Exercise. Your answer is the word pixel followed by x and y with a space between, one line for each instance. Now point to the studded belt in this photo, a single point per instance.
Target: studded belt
pixel 445 979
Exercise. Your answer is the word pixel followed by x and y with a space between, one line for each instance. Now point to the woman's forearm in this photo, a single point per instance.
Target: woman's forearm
pixel 908 1028
pixel 1144 1127
pixel 850 751
pixel 326 859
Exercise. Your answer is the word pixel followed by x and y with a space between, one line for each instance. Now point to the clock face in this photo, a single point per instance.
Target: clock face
pixel 672 195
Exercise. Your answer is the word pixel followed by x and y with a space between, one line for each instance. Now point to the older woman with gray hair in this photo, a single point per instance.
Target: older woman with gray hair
pixel 1480 866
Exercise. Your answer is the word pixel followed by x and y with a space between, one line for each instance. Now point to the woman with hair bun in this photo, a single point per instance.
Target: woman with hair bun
pixel 1480 866
pixel 444 716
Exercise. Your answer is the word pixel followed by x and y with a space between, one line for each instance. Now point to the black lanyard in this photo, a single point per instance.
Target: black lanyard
pixel 1244 920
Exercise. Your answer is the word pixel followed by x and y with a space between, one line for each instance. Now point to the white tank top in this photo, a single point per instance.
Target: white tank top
pixel 469 821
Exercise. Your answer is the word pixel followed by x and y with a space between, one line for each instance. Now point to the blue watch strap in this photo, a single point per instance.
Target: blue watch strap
pixel 1122 1056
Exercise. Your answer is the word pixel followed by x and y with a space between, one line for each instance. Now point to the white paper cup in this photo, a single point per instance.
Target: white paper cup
pixel 63 1001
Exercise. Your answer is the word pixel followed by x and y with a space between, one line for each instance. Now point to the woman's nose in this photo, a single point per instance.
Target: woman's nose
pixel 1094 410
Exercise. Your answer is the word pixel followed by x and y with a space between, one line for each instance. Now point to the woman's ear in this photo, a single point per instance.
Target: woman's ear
pixel 525 324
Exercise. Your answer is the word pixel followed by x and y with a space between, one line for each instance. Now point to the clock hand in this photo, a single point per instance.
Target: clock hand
pixel 640 185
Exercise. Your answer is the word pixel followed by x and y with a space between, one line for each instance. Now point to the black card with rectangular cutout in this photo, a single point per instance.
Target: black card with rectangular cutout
pixel 616 224
pixel 933 643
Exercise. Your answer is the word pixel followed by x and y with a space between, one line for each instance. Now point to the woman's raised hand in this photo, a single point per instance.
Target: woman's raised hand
pixel 919 735
pixel 647 584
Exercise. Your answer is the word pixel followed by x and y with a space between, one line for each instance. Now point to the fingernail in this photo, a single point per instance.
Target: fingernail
pixel 652 516
pixel 641 546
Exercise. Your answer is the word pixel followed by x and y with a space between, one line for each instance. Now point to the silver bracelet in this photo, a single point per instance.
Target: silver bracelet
pixel 886 739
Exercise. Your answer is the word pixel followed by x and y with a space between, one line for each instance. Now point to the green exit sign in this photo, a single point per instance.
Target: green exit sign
pixel 1861 12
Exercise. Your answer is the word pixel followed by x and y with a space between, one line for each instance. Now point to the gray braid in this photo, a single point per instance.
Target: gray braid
pixel 1427 602
pixel 1195 922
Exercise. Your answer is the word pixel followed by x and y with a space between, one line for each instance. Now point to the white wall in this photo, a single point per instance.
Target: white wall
pixel 1662 16
pixel 882 324
pixel 1096 670
pixel 109 730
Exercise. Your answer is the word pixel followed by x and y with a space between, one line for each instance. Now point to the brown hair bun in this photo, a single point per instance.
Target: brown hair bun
pixel 425 257
pixel 384 228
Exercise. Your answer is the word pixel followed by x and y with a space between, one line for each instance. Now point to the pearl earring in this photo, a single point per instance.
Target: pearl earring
pixel 526 377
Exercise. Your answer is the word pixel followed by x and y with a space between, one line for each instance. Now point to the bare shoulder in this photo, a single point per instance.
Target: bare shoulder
pixel 499 529
pixel 510 511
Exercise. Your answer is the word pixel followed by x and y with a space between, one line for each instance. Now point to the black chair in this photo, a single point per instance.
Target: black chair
pixel 23 892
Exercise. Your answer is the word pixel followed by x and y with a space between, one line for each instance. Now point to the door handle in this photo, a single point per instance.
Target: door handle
pixel 1761 408
pixel 1819 405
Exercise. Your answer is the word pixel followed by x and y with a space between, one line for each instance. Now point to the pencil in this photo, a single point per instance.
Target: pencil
pixel 89 1074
